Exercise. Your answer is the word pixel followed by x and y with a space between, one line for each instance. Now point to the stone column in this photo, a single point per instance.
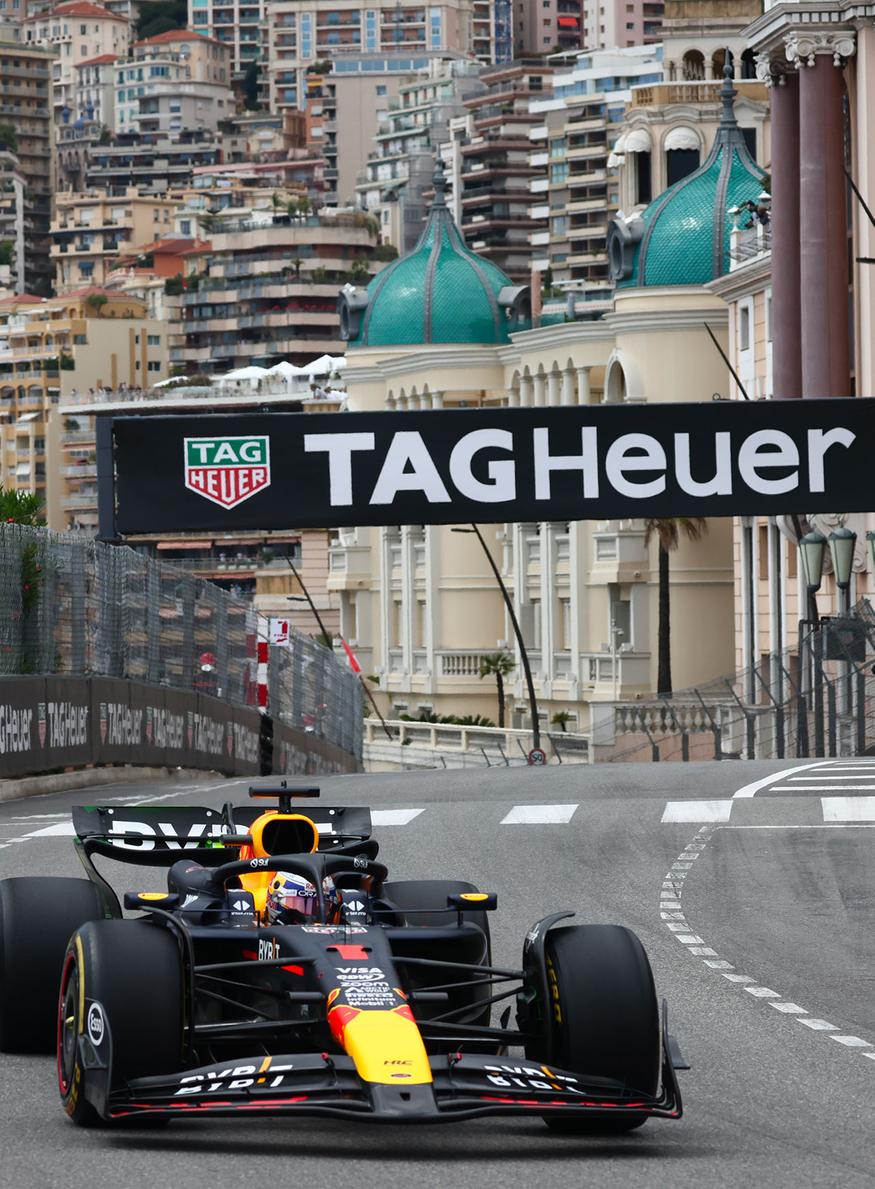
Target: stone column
pixel 568 387
pixel 539 383
pixel 583 392
pixel 525 391
pixel 437 400
pixel 823 271
pixel 786 291
pixel 552 389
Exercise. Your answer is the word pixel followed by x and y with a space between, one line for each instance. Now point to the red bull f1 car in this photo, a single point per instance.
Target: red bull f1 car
pixel 374 1002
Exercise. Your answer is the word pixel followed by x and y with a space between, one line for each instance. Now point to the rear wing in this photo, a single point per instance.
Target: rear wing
pixel 155 835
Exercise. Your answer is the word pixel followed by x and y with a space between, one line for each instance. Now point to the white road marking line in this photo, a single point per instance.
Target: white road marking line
pixel 695 945
pixel 697 811
pixel 59 830
pixel 750 790
pixel 832 776
pixel 848 809
pixel 38 817
pixel 823 788
pixel 394 817
pixel 539 815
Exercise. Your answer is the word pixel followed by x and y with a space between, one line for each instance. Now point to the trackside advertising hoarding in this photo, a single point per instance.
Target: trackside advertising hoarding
pixel 273 470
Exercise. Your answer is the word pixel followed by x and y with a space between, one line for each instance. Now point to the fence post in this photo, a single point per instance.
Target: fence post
pixel 779 715
pixel 715 727
pixel 819 745
pixel 861 712
pixel 77 607
pixel 832 714
pixel 749 722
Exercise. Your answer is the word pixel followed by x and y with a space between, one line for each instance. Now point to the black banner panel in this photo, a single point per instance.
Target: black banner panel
pixel 275 470
pixel 51 723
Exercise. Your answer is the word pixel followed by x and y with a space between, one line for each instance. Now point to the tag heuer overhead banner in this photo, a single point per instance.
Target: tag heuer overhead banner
pixel 217 472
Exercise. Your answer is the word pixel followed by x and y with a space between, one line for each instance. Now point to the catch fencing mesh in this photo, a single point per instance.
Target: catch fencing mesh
pixel 72 605
pixel 816 699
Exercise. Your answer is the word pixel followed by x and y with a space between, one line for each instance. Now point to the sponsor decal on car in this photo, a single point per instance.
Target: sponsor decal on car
pixel 365 987
pixel 95 1024
pixel 240 1077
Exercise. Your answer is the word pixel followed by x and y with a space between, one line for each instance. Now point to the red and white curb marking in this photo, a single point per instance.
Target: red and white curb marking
pixel 672 915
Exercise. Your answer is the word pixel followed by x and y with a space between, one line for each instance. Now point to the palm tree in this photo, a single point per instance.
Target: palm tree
pixel 498 665
pixel 668 532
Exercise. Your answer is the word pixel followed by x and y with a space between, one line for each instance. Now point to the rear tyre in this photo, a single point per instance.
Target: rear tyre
pixel 38 914
pixel 604 1017
pixel 134 972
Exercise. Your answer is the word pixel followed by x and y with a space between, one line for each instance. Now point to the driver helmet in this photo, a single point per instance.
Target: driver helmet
pixel 291 899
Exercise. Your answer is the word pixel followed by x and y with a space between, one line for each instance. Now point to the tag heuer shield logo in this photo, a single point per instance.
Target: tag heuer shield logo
pixel 227 471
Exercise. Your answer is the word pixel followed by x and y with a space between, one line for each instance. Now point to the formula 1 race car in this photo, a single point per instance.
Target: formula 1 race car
pixel 373 1003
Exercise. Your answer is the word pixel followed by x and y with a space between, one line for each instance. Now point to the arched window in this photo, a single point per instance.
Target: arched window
pixel 681 154
pixel 718 61
pixel 748 65
pixel 693 66
pixel 615 383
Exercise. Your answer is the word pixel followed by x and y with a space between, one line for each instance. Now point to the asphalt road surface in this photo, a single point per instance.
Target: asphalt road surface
pixel 752 887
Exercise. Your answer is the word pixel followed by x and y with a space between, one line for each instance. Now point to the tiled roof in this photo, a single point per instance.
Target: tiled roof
pixel 441 292
pixel 100 60
pixel 174 35
pixel 79 8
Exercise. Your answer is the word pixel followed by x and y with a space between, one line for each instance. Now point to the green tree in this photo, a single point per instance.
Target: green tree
pixel 498 665
pixel 8 138
pixel 560 719
pixel 21 507
pixel 7 251
pixel 360 272
pixel 96 302
pixel 668 532
pixel 250 87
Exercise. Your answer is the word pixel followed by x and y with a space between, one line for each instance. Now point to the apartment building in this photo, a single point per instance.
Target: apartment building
pixel 578 192
pixel 547 26
pixel 490 167
pixel 240 25
pixel 50 350
pixel 492 31
pixel 26 173
pixel 327 30
pixel 91 232
pixel 152 164
pixel 267 288
pixel 174 81
pixel 398 173
pixel 616 24
pixel 76 32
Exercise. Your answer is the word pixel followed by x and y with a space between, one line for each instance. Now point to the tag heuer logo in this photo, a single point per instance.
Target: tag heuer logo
pixel 227 471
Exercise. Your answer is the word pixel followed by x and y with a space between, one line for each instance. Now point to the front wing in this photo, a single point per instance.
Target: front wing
pixel 463 1087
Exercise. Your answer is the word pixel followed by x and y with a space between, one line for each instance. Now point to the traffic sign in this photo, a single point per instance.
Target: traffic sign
pixel 537 756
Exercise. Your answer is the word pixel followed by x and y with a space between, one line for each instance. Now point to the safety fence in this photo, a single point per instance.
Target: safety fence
pixel 71 606
pixel 817 699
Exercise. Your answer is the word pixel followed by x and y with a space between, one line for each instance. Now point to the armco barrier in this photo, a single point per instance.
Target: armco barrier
pixel 51 723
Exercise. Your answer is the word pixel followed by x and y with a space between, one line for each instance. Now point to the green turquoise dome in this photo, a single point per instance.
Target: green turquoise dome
pixel 440 292
pixel 682 237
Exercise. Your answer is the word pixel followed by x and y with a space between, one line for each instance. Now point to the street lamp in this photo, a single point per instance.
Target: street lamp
pixel 841 546
pixel 811 547
pixel 524 656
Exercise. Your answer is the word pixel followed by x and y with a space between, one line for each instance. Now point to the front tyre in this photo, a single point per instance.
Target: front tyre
pixel 120 1013
pixel 38 914
pixel 603 1017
